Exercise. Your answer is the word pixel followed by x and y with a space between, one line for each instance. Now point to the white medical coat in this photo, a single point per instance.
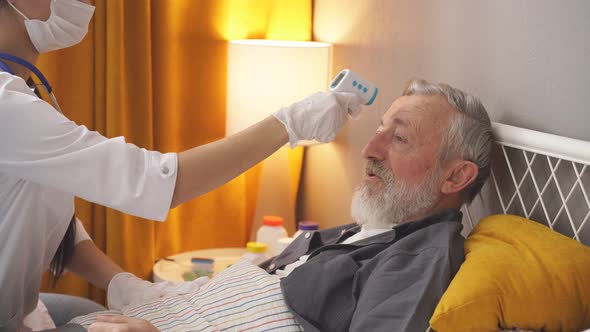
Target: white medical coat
pixel 46 160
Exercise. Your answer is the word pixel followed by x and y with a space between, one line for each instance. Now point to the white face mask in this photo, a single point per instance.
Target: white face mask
pixel 67 25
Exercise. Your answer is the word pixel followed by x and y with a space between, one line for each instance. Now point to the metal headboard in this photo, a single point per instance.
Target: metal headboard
pixel 539 176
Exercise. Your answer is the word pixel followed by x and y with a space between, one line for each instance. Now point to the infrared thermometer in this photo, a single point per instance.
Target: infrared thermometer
pixel 349 81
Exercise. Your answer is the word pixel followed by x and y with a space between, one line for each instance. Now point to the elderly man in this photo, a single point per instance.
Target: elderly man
pixel 387 272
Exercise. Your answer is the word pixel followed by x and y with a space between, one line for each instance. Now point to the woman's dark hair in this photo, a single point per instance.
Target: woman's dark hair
pixel 64 252
pixel 31 83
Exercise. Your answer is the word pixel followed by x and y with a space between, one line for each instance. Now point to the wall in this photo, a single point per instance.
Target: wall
pixel 527 60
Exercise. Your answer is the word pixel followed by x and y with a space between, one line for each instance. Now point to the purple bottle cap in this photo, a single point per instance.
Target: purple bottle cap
pixel 308 226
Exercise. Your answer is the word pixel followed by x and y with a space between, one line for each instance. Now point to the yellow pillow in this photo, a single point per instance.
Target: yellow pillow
pixel 517 273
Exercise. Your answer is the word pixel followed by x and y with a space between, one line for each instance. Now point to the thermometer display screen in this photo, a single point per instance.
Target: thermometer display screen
pixel 337 80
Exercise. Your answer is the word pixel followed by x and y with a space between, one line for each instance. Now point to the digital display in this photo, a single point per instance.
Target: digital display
pixel 337 80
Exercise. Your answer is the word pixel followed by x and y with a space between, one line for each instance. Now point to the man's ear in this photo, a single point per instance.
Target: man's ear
pixel 460 174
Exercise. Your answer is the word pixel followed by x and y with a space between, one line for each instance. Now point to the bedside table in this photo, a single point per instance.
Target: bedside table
pixel 166 270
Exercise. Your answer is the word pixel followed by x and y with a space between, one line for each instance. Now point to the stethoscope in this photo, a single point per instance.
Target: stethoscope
pixel 34 70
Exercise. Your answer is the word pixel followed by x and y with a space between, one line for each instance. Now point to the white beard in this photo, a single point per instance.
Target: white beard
pixel 389 202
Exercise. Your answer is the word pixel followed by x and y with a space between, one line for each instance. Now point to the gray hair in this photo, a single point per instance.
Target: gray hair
pixel 469 133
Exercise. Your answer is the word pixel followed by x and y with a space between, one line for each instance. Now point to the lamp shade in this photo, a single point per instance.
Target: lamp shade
pixel 265 75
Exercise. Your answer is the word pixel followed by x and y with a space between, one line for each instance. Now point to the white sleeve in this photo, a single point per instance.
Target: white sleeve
pixel 81 234
pixel 40 145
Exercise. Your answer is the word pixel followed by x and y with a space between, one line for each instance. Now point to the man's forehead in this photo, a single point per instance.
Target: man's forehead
pixel 417 108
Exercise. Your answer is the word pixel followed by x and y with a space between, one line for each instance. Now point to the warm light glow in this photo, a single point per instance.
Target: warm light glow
pixel 280 43
pixel 265 75
pixel 268 19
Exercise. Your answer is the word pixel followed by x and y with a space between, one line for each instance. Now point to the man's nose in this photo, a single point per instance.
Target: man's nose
pixel 376 147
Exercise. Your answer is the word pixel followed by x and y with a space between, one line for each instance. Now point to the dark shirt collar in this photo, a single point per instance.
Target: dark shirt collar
pixel 440 216
pixel 401 230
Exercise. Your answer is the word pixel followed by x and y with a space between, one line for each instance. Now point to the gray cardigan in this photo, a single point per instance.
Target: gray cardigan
pixel 388 282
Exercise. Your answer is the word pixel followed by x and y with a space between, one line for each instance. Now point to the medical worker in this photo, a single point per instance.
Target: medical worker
pixel 46 160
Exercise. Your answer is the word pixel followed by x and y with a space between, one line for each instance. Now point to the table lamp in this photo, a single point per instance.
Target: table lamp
pixel 265 75
pixel 262 77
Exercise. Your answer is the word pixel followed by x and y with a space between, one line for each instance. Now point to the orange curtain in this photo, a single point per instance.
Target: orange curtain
pixel 154 72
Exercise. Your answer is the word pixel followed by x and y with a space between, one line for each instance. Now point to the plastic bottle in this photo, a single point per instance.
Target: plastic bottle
pixel 270 232
pixel 203 267
pixel 284 242
pixel 306 226
pixel 256 252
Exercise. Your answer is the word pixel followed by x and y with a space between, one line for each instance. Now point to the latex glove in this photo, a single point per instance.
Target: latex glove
pixel 319 116
pixel 108 323
pixel 127 289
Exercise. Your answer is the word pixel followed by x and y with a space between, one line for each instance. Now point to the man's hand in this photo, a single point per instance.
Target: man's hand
pixel 112 323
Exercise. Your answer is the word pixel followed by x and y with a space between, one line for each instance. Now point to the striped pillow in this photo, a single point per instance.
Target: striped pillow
pixel 241 298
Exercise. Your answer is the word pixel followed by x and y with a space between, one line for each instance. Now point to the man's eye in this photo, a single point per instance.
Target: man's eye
pixel 400 139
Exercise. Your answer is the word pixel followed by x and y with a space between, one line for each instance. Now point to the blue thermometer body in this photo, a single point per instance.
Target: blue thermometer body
pixel 349 81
